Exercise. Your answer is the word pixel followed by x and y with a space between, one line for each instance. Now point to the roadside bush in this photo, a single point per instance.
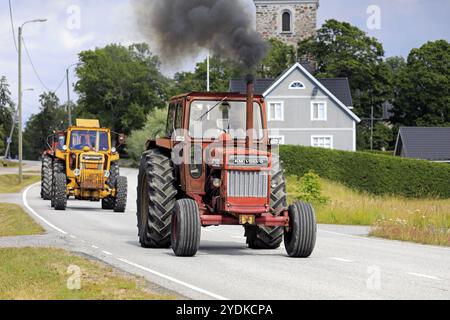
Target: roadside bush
pixel 310 190
pixel 373 173
pixel 155 126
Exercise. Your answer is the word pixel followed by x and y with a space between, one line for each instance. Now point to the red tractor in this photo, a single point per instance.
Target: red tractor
pixel 215 167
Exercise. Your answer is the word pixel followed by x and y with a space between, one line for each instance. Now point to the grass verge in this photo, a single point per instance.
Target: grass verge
pixel 44 274
pixel 425 221
pixel 9 183
pixel 15 222
pixel 8 164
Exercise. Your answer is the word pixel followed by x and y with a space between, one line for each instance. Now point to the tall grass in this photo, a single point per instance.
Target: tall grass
pixel 420 220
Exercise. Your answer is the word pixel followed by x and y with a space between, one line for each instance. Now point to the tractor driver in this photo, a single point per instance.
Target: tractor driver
pixel 82 144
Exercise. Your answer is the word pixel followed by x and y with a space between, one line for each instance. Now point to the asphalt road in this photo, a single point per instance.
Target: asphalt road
pixel 345 265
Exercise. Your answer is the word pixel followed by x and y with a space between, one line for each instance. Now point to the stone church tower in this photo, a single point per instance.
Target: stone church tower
pixel 287 20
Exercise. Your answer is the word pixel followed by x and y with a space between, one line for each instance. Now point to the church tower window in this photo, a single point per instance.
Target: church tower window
pixel 286 22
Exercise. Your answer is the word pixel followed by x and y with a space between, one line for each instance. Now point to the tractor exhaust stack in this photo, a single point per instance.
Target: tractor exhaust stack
pixel 250 95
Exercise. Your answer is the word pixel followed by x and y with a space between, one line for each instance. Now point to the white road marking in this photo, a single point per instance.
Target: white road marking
pixel 73 237
pixel 95 247
pixel 385 241
pixel 27 206
pixel 184 284
pixel 341 260
pixel 423 276
pixel 107 253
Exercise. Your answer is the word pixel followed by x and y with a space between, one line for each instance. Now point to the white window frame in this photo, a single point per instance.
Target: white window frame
pixel 297 81
pixel 325 103
pixel 331 137
pixel 280 137
pixel 270 118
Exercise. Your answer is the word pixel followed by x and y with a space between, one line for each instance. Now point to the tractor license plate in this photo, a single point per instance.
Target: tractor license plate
pixel 245 219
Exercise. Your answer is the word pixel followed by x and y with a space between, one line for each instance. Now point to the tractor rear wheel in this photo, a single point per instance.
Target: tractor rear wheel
pixel 270 238
pixel 46 178
pixel 58 167
pixel 156 197
pixel 120 203
pixel 300 238
pixel 186 228
pixel 60 191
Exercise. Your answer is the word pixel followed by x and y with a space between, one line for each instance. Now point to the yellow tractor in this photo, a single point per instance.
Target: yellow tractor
pixel 87 168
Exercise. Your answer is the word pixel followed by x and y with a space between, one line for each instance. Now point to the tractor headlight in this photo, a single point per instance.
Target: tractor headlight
pixel 77 172
pixel 107 174
pixel 217 183
pixel 113 150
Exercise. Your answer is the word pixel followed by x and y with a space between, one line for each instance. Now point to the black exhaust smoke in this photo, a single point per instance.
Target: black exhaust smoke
pixel 183 28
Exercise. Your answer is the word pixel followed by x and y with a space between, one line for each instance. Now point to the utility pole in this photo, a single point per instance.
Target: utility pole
pixel 20 98
pixel 69 111
pixel 207 74
pixel 20 108
pixel 69 102
pixel 372 120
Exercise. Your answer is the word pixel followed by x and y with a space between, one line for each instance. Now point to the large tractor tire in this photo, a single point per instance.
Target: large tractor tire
pixel 114 173
pixel 300 238
pixel 46 177
pixel 270 238
pixel 58 167
pixel 120 203
pixel 186 228
pixel 60 191
pixel 156 197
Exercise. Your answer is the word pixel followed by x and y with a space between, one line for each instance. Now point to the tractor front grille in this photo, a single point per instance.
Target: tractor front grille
pixel 91 179
pixel 248 184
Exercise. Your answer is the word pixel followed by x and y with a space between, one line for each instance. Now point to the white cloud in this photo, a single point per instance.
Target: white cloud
pixel 72 40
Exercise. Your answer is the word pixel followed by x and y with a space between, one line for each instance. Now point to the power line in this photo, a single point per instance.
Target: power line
pixel 12 26
pixel 37 73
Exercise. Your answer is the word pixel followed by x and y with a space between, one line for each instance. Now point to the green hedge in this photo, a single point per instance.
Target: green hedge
pixel 376 174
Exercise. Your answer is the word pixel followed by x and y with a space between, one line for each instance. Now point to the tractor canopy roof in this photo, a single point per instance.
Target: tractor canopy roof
pixel 90 124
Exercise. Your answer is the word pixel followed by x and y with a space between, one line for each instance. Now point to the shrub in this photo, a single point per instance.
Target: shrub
pixel 373 173
pixel 310 190
pixel 155 125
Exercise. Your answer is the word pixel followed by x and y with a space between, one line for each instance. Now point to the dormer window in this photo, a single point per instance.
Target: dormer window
pixel 297 85
pixel 286 22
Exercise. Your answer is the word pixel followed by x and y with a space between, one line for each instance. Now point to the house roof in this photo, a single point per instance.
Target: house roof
pixel 338 88
pixel 424 143
pixel 240 85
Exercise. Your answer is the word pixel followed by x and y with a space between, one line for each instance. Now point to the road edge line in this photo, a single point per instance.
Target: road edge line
pixel 184 284
pixel 31 210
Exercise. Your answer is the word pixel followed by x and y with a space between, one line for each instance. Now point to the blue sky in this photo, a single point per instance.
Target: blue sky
pixel 405 24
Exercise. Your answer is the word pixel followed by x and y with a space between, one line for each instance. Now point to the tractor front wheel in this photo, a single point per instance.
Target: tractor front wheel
pixel 300 237
pixel 120 202
pixel 186 228
pixel 60 192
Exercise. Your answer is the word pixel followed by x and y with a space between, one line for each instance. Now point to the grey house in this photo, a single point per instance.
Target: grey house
pixel 431 144
pixel 303 110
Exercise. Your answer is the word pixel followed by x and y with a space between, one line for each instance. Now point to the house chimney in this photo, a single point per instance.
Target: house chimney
pixel 250 94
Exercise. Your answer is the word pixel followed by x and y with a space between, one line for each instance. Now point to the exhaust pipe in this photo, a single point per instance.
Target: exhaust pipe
pixel 250 95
